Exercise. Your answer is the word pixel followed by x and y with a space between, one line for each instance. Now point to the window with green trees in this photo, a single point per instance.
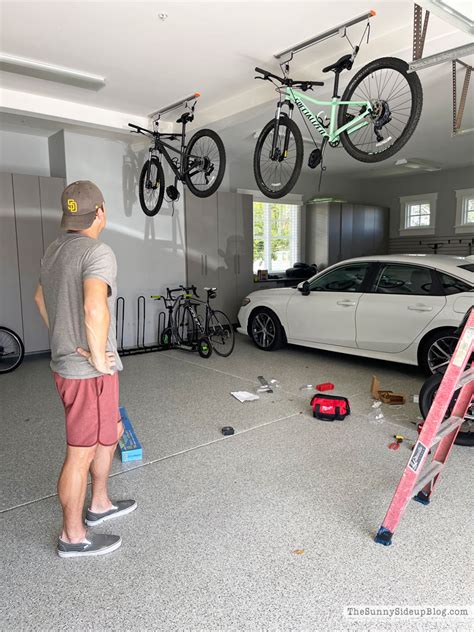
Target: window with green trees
pixel 275 236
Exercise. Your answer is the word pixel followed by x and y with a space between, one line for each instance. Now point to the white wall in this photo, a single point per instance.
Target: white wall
pixel 24 153
pixel 149 251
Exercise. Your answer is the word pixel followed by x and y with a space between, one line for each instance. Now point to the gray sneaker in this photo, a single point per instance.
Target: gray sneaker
pixel 94 544
pixel 120 508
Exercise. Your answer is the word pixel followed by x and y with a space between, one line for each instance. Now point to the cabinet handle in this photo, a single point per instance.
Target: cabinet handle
pixel 238 264
pixel 205 263
pixel 202 265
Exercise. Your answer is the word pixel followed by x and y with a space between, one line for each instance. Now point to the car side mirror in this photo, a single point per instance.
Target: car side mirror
pixel 304 288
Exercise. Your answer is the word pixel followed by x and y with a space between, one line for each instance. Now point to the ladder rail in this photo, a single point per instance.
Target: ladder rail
pixel 454 377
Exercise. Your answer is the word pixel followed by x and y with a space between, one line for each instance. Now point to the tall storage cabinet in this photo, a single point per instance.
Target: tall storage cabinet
pixel 219 244
pixel 338 231
pixel 29 221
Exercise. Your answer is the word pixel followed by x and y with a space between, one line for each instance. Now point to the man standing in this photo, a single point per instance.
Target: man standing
pixel 75 297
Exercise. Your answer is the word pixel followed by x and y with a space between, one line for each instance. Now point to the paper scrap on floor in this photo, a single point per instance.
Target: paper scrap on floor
pixel 244 396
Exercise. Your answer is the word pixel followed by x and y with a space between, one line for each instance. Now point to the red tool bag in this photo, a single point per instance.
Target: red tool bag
pixel 330 407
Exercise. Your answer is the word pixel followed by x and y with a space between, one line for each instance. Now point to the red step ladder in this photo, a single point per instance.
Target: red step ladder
pixel 420 477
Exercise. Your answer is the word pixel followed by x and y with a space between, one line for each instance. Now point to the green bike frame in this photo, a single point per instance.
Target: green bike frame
pixel 332 133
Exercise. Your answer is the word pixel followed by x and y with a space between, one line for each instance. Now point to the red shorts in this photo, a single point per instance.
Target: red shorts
pixel 92 409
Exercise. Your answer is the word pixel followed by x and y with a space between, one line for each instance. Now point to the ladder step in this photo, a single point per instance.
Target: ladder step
pixel 466 377
pixel 447 426
pixel 427 476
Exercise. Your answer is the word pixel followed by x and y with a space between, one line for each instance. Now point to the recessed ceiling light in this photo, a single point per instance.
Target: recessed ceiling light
pixel 162 16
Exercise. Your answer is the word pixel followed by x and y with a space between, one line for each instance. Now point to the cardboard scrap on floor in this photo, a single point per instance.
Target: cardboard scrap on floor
pixel 386 397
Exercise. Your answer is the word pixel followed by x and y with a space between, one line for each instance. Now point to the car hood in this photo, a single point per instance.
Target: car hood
pixel 272 293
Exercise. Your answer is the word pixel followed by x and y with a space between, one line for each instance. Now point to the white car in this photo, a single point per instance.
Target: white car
pixel 401 308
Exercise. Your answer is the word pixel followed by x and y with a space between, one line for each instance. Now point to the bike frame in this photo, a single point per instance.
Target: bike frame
pixel 332 133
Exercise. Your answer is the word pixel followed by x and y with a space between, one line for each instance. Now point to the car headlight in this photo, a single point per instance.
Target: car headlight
pixel 245 301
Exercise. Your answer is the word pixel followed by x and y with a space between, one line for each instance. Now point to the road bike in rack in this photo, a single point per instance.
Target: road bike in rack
pixel 200 164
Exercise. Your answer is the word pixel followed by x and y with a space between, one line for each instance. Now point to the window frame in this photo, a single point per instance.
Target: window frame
pixel 267 236
pixel 408 200
pixel 461 226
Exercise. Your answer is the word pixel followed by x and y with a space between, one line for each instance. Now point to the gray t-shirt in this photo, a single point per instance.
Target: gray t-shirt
pixel 67 263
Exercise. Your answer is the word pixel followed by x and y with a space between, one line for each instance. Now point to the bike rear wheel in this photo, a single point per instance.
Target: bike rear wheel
pixel 277 175
pixel 205 157
pixel 397 97
pixel 12 350
pixel 151 190
pixel 221 333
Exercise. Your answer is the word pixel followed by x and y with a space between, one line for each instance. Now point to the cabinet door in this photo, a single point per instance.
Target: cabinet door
pixel 244 248
pixel 50 197
pixel 201 241
pixel 30 251
pixel 10 301
pixel 227 253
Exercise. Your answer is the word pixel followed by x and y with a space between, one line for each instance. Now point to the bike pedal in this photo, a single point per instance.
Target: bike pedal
pixel 172 192
pixel 315 158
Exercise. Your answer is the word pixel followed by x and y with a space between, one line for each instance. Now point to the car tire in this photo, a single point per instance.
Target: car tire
pixel 426 397
pixel 265 330
pixel 443 342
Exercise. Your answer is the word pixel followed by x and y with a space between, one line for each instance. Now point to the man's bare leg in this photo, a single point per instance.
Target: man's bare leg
pixel 72 487
pixel 100 470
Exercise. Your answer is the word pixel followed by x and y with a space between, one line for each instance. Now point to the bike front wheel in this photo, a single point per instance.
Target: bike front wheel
pixel 186 330
pixel 276 171
pixel 397 100
pixel 204 163
pixel 221 333
pixel 151 187
pixel 12 350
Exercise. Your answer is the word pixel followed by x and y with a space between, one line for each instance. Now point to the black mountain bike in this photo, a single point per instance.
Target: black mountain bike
pixel 377 114
pixel 200 164
pixel 12 350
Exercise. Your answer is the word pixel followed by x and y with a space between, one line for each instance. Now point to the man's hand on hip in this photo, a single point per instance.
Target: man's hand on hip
pixel 104 365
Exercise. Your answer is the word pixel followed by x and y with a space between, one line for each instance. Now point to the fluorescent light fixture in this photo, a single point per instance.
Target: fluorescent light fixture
pixel 325 199
pixel 50 72
pixel 418 163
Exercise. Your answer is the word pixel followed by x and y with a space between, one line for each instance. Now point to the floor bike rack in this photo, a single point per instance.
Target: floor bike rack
pixel 140 347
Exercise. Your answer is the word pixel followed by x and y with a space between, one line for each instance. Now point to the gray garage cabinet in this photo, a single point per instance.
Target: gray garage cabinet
pixel 30 213
pixel 219 245
pixel 340 230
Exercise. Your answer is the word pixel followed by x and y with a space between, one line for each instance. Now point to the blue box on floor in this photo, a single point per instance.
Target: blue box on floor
pixel 130 446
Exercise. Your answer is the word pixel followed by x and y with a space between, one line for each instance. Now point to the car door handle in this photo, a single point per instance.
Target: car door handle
pixel 346 303
pixel 420 308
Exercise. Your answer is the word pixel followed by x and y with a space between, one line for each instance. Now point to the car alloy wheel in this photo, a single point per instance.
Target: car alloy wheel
pixel 440 352
pixel 263 330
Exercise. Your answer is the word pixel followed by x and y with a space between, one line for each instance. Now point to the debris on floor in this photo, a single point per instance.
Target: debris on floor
pixel 227 431
pixel 325 386
pixel 387 397
pixel 129 445
pixel 376 415
pixel 395 445
pixel 244 396
pixel 267 386
pixel 298 551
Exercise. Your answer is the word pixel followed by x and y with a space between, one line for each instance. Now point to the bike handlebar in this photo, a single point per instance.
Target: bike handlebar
pixel 286 81
pixel 141 130
pixel 192 289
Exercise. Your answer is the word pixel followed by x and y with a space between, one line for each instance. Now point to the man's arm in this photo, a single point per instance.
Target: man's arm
pixel 39 300
pixel 97 320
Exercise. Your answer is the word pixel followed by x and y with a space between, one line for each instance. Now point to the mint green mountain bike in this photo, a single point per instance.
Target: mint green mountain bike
pixel 377 114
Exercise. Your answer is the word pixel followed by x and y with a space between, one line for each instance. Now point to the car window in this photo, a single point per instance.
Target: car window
pixel 404 279
pixel 469 267
pixel 344 279
pixel 451 285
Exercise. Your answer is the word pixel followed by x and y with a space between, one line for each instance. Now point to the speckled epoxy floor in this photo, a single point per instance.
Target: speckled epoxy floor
pixel 270 529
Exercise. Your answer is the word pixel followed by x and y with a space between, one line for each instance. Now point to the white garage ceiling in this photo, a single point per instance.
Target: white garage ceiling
pixel 213 47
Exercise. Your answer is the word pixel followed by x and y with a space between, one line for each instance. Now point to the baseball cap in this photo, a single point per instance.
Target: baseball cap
pixel 80 201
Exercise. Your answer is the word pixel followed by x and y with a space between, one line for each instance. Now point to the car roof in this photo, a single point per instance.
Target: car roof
pixel 447 263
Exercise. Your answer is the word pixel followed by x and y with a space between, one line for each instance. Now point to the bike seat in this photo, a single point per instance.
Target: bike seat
pixel 344 63
pixel 186 117
pixel 210 289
